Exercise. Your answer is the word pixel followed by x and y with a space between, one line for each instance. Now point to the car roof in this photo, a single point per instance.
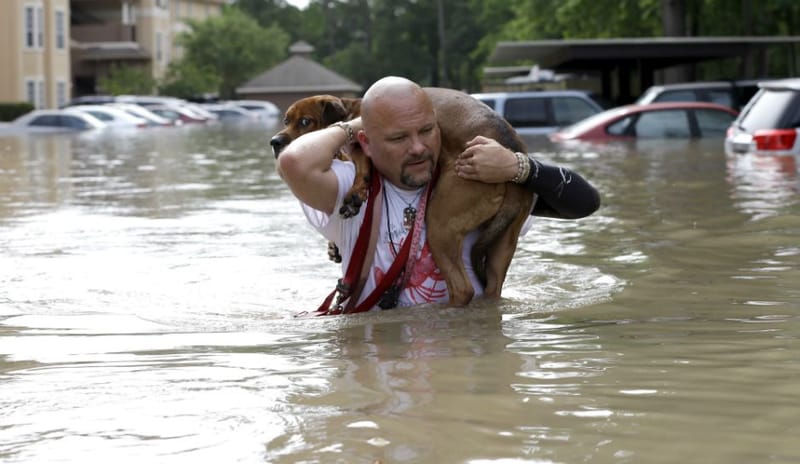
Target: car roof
pixel 677 105
pixel 534 93
pixel 781 84
pixel 693 85
pixel 69 110
pixel 107 108
pixel 627 110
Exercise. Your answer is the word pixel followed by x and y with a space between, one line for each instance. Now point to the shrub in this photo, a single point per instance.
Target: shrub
pixel 12 110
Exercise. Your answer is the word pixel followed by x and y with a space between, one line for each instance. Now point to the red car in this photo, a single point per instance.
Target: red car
pixel 666 120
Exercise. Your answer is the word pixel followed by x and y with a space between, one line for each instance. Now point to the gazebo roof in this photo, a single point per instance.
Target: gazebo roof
pixel 299 73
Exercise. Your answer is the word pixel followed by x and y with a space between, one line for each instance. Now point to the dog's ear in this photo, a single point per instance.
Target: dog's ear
pixel 333 111
pixel 352 107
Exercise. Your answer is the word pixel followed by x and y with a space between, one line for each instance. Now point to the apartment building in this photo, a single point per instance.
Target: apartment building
pixel 129 33
pixel 35 56
pixel 56 49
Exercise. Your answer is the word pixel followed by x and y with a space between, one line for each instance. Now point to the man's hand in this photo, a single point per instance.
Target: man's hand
pixel 485 160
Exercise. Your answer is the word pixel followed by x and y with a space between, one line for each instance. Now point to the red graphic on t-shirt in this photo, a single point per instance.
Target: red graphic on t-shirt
pixel 425 284
pixel 426 271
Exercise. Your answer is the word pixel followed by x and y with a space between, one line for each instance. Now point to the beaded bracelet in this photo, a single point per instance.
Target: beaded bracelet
pixel 523 168
pixel 348 130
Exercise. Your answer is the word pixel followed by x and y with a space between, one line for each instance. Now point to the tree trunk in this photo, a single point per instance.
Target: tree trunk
pixel 673 22
pixel 445 78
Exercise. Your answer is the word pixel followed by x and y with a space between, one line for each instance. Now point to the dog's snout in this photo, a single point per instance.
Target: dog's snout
pixel 278 143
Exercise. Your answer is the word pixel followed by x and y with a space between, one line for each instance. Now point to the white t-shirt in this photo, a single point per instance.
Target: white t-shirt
pixel 425 283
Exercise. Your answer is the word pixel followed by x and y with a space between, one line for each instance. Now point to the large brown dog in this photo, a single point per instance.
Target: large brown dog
pixel 457 206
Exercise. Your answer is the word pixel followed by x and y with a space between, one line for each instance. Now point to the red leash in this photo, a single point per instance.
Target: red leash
pixel 345 285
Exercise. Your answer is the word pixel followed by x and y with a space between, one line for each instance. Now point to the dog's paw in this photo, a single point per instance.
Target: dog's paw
pixel 351 205
pixel 333 253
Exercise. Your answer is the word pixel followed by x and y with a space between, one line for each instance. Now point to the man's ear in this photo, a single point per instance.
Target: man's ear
pixel 363 141
pixel 333 111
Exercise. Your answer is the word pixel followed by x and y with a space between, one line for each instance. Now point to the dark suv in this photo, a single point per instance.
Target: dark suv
pixel 770 121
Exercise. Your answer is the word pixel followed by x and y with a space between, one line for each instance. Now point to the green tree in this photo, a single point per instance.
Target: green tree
pixel 278 13
pixel 233 47
pixel 185 80
pixel 121 80
pixel 584 19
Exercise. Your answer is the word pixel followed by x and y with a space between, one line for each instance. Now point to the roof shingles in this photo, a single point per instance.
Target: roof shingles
pixel 298 74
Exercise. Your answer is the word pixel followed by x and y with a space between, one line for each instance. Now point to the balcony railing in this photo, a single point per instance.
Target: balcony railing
pixel 106 32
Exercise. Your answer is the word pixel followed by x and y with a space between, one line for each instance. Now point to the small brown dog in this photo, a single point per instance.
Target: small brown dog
pixel 457 206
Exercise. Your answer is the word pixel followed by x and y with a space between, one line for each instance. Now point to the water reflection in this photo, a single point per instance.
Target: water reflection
pixel 32 170
pixel 763 185
pixel 148 284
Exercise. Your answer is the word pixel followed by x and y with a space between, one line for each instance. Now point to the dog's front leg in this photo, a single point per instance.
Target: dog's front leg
pixel 357 194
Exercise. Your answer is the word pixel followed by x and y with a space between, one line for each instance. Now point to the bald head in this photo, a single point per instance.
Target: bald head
pixel 388 92
pixel 400 134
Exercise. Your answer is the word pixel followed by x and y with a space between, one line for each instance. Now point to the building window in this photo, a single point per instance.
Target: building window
pixel 128 14
pixel 61 93
pixel 40 27
pixel 30 91
pixel 29 27
pixel 60 30
pixel 34 27
pixel 34 92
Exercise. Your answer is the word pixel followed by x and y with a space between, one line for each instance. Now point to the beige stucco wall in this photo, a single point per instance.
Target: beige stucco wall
pixel 157 24
pixel 44 65
pixel 11 37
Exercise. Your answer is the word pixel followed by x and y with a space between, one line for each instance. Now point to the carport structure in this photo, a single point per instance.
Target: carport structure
pixel 618 62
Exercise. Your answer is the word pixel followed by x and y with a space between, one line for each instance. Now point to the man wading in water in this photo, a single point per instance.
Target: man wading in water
pixel 398 131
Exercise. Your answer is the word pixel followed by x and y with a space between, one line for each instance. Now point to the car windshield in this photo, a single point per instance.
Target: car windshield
pixel 772 109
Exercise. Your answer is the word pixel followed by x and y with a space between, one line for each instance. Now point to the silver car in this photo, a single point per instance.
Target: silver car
pixel 64 120
pixel 541 112
pixel 770 121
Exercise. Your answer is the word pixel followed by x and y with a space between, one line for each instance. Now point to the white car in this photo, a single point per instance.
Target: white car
pixel 115 118
pixel 63 120
pixel 265 110
pixel 173 103
pixel 231 112
pixel 770 122
pixel 142 112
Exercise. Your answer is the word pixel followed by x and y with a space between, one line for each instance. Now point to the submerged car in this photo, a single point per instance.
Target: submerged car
pixel 265 110
pixel 734 94
pixel 142 112
pixel 63 120
pixel 541 112
pixel 228 112
pixel 652 121
pixel 113 117
pixel 770 122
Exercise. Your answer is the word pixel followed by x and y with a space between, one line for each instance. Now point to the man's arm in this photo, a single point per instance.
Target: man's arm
pixel 562 192
pixel 305 166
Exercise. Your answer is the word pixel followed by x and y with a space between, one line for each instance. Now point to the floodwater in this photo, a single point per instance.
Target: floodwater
pixel 149 282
